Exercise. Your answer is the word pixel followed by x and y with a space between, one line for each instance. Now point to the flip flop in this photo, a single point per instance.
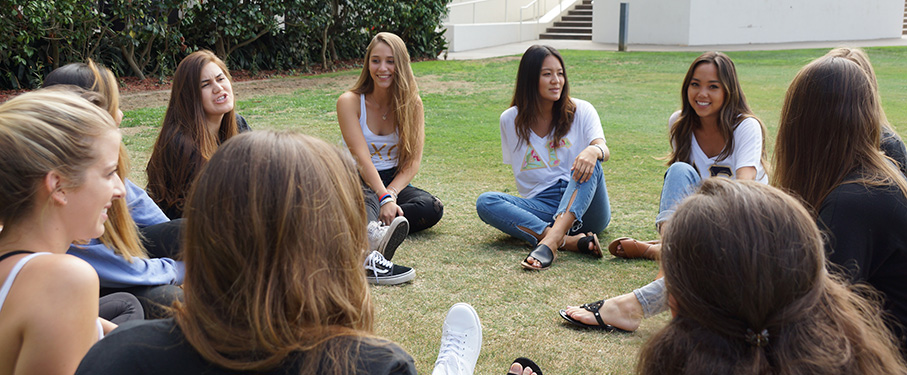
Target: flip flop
pixel 593 308
pixel 582 246
pixel 526 362
pixel 543 254
pixel 626 247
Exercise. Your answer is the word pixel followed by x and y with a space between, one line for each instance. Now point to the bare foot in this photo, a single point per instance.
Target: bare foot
pixel 623 311
pixel 570 243
pixel 535 263
pixel 517 369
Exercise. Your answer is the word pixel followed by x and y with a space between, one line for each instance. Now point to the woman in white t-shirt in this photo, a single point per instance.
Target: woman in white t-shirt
pixel 555 145
pixel 714 134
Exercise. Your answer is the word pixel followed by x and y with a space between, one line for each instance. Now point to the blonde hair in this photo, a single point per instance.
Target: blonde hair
pixel 271 268
pixel 405 95
pixel 45 131
pixel 745 265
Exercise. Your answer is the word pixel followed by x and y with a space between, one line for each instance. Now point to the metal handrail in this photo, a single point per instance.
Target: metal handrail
pixel 534 2
pixel 473 3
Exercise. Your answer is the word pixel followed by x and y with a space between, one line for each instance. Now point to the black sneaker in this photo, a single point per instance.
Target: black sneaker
pixel 382 271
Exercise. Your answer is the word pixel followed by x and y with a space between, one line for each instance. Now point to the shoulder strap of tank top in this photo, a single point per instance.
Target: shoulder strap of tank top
pixel 14 252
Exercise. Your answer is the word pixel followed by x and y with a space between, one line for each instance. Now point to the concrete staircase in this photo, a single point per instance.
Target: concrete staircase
pixel 577 24
pixel 904 32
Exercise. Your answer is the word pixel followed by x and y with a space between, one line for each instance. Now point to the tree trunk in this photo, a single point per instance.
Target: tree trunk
pixel 128 54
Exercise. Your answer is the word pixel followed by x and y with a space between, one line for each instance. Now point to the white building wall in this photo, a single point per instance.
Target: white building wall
pixel 716 22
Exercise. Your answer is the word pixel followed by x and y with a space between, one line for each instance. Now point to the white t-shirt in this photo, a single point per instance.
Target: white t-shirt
pixel 538 165
pixel 383 148
pixel 747 152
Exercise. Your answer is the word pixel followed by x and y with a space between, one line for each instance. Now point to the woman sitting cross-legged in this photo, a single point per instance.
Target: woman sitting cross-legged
pixel 745 269
pixel 555 145
pixel 715 134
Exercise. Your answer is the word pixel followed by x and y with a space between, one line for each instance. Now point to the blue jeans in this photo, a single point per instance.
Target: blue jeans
pixel 590 207
pixel 681 180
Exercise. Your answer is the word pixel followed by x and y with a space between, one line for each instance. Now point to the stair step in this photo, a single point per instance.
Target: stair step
pixel 570 30
pixel 577 18
pixel 572 24
pixel 580 13
pixel 583 7
pixel 566 36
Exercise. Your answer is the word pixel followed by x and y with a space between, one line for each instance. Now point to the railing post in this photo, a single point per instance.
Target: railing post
pixel 473 13
pixel 624 17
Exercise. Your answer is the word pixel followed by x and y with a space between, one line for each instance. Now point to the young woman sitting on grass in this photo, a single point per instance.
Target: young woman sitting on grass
pixel 119 255
pixel 827 153
pixel 57 181
pixel 199 118
pixel 745 268
pixel 555 146
pixel 715 134
pixel 383 124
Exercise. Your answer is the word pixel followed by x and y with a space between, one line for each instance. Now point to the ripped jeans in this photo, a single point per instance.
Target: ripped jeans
pixel 590 206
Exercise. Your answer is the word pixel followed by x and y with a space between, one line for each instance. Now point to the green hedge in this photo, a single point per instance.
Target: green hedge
pixel 149 37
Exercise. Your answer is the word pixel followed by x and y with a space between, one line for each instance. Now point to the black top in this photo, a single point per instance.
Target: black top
pixel 891 145
pixel 866 229
pixel 159 347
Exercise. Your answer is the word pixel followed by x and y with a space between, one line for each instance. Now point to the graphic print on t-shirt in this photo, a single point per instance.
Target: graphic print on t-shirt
pixel 377 151
pixel 721 170
pixel 532 160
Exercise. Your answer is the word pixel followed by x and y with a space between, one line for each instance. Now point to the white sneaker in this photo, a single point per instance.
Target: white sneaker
pixel 461 341
pixel 386 238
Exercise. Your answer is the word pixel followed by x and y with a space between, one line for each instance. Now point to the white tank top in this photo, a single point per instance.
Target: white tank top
pixel 383 148
pixel 8 284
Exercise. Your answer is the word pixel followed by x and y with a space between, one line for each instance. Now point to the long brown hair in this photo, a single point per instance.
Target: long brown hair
pixel 404 96
pixel 734 110
pixel 830 128
pixel 184 144
pixel 526 95
pixel 745 265
pixel 270 268
pixel 120 232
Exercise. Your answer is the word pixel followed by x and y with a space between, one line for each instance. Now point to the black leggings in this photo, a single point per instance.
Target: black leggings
pixel 420 208
pixel 119 308
pixel 162 241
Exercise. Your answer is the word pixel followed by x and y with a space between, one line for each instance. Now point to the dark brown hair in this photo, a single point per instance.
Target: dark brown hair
pixel 526 95
pixel 185 144
pixel 733 111
pixel 270 268
pixel 829 128
pixel 745 265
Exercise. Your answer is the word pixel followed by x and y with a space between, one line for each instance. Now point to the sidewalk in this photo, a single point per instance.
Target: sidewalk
pixel 519 48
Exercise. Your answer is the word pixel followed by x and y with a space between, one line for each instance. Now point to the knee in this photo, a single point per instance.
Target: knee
pixel 680 168
pixel 484 203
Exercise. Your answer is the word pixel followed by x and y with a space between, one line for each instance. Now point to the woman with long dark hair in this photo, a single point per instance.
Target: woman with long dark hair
pixel 200 116
pixel 555 145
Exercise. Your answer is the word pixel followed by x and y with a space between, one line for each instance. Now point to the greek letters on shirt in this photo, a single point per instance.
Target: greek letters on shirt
pixel 376 151
pixel 721 170
pixel 532 160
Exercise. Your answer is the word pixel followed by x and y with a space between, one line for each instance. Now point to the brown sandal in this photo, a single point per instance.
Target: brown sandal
pixel 626 247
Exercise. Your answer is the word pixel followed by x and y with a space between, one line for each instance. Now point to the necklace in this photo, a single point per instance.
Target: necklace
pixel 384 116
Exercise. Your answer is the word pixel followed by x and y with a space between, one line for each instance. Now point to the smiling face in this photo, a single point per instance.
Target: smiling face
pixel 381 65
pixel 706 92
pixel 216 92
pixel 551 80
pixel 87 204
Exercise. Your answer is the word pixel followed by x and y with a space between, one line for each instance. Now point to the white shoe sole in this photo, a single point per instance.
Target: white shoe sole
pixel 393 280
pixel 396 233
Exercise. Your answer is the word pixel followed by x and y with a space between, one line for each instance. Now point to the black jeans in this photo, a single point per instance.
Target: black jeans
pixel 420 208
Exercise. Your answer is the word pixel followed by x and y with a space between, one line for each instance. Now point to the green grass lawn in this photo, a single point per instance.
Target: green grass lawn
pixel 464 260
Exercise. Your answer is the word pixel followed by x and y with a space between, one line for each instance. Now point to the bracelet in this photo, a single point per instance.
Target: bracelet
pixel 396 193
pixel 385 196
pixel 387 200
pixel 600 149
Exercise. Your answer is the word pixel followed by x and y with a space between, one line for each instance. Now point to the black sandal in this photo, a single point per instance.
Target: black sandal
pixel 582 246
pixel 543 254
pixel 593 308
pixel 526 362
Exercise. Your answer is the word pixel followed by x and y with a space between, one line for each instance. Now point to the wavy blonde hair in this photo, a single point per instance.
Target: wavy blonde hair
pixel 274 237
pixel 120 231
pixel 405 95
